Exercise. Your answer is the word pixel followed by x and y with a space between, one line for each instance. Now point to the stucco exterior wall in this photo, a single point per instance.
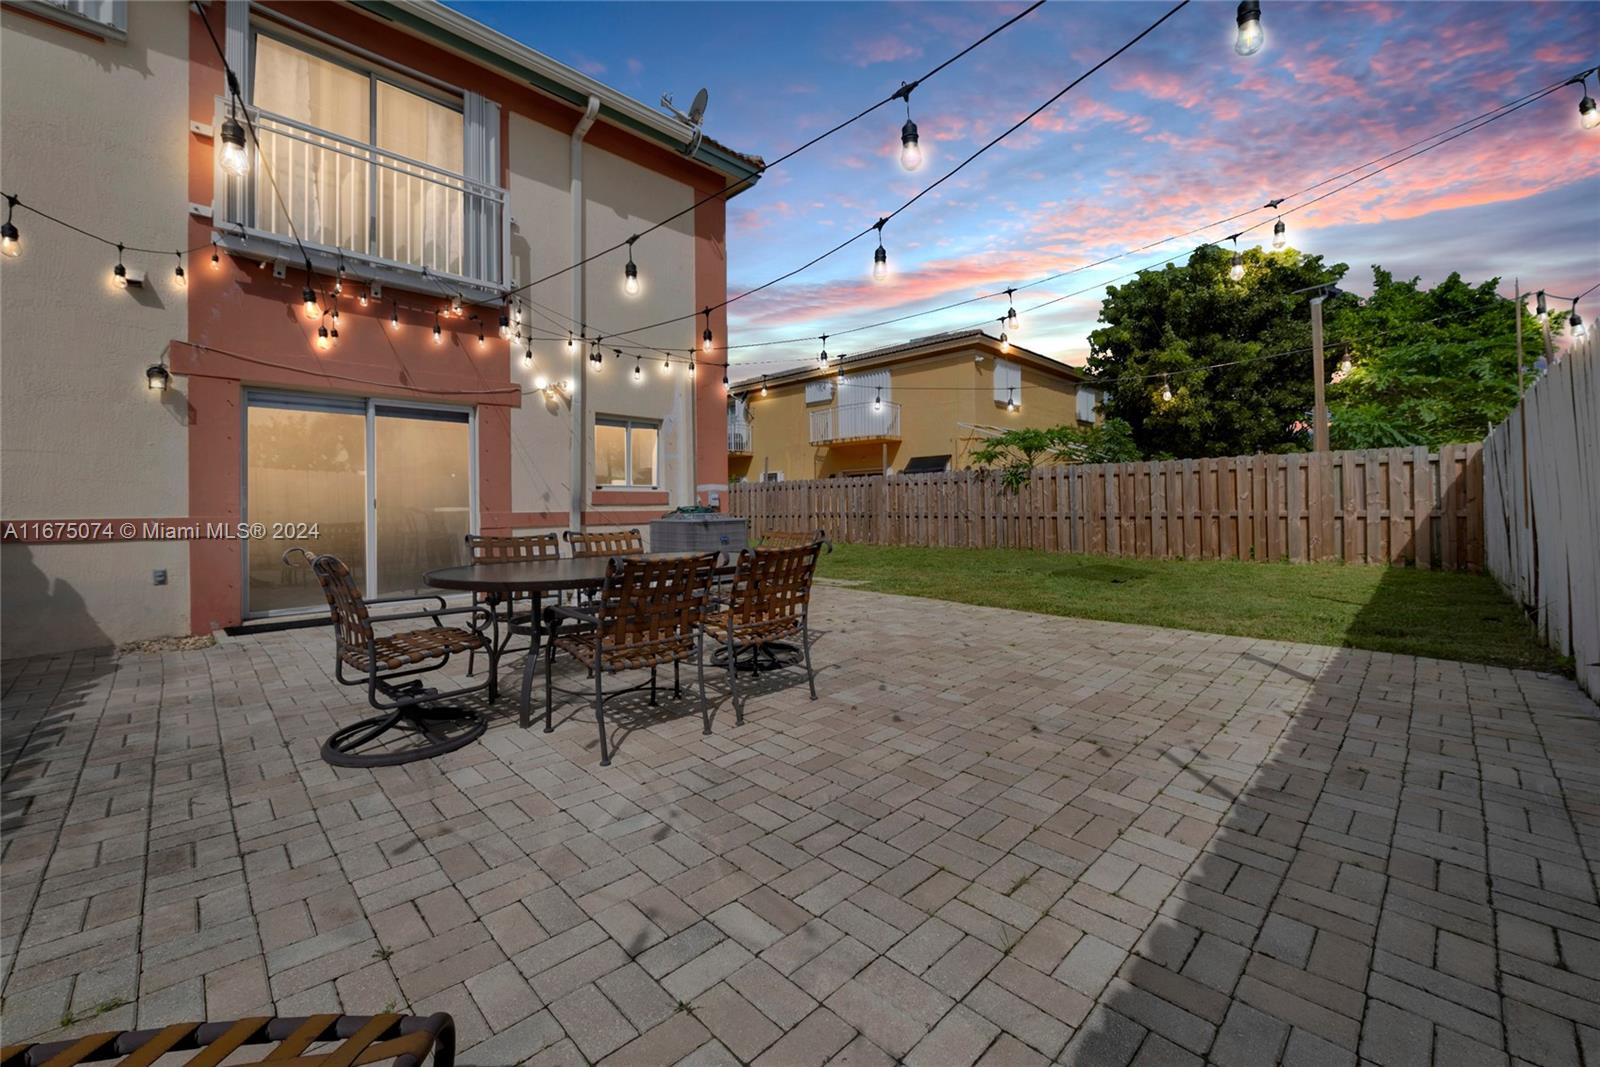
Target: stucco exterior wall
pixel 941 396
pixel 97 133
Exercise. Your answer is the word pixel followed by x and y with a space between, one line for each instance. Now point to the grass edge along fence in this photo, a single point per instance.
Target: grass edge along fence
pixel 1403 506
pixel 1542 504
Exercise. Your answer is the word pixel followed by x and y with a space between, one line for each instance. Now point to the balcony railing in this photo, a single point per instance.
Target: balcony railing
pixel 353 200
pixel 869 421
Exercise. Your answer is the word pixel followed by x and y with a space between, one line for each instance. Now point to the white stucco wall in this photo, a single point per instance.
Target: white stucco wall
pixel 97 133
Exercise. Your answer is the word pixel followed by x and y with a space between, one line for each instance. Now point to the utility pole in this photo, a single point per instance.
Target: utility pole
pixel 1319 410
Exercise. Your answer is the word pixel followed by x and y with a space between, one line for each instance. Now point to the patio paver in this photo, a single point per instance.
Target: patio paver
pixel 997 837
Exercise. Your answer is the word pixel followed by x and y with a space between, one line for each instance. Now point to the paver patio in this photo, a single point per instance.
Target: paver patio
pixel 996 837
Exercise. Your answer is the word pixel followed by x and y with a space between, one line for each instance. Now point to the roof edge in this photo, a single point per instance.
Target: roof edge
pixel 919 348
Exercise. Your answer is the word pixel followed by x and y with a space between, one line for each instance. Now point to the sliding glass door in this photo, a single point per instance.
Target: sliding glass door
pixel 388 488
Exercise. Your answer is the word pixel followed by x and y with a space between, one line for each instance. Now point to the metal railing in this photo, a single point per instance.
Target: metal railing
pixel 868 421
pixel 738 440
pixel 367 204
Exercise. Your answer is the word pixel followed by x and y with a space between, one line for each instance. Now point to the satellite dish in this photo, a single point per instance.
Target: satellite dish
pixel 697 110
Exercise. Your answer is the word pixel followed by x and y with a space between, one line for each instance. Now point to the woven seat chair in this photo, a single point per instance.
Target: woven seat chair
pixel 380 661
pixel 792 538
pixel 523 548
pixel 605 544
pixel 767 604
pixel 648 613
pixel 400 1040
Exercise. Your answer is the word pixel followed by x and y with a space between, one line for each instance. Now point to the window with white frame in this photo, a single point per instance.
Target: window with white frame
pixel 1007 382
pixel 819 391
pixel 625 453
pixel 104 18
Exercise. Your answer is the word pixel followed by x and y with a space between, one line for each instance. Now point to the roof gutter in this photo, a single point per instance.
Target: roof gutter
pixel 475 41
pixel 580 277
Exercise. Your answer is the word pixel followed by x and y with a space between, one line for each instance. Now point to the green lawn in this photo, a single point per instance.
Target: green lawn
pixel 1422 613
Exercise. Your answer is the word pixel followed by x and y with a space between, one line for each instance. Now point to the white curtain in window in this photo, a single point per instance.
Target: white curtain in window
pixel 420 213
pixel 485 257
pixel 324 183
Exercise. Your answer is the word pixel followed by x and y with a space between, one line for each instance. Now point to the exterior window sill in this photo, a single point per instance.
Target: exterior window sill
pixel 628 496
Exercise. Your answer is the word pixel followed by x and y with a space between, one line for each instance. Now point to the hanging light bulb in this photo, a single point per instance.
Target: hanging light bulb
pixel 541 383
pixel 1588 111
pixel 1543 310
pixel 157 378
pixel 1345 365
pixel 1011 400
pixel 666 366
pixel 366 295
pixel 1278 236
pixel 910 149
pixel 877 402
pixel 724 377
pixel 516 314
pixel 338 281
pixel 216 260
pixel 323 340
pixel 822 357
pixel 691 366
pixel 455 305
pixel 308 300
pixel 572 345
pixel 178 278
pixel 10 239
pixel 438 335
pixel 1005 340
pixel 706 338
pixel 638 370
pixel 1579 330
pixel 119 273
pixel 334 334
pixel 1236 271
pixel 630 273
pixel 763 385
pixel 234 159
pixel 505 323
pixel 839 369
pixel 1166 391
pixel 880 258
pixel 1250 38
pixel 1011 312
pixel 527 356
pixel 481 341
pixel 394 315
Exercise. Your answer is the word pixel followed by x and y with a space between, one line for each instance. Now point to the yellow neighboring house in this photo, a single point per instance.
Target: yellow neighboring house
pixel 912 408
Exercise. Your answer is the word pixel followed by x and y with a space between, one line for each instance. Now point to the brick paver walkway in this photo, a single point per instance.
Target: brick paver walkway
pixel 997 837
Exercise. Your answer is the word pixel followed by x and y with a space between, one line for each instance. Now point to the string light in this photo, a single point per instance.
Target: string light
pixel 724 377
pixel 541 383
pixel 1011 400
pixel 877 401
pixel 691 366
pixel 763 385
pixel 1166 390
pixel 234 159
pixel 822 357
pixel 119 273
pixel 1579 330
pixel 880 258
pixel 481 341
pixel 455 305
pixel 1250 38
pixel 1011 312
pixel 1005 341
pixel 527 354
pixel 438 335
pixel 322 337
pixel 1588 111
pixel 177 274
pixel 630 273
pixel 394 315
pixel 308 298
pixel 1544 311
pixel 366 295
pixel 10 239
pixel 157 378
pixel 571 344
pixel 910 149
pixel 1345 365
pixel 334 333
pixel 505 321
pixel 666 365
pixel 1278 236
pixel 638 368
pixel 1236 271
pixel 706 338
pixel 338 279
pixel 216 260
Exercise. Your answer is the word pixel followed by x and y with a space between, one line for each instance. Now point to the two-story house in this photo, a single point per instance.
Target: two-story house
pixel 917 407
pixel 349 358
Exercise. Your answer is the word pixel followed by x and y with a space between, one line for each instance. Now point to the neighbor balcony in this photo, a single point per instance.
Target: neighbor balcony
pixel 378 214
pixel 847 423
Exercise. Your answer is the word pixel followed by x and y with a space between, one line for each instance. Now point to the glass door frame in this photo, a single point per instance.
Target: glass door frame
pixel 333 402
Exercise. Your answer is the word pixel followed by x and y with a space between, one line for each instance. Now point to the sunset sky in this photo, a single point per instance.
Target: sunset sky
pixel 1177 132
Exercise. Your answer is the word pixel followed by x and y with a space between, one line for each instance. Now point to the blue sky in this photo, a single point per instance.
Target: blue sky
pixel 1175 133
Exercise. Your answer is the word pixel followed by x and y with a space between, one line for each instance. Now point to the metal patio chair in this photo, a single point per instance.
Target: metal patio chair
pixel 648 613
pixel 379 661
pixel 766 608
pixel 604 544
pixel 793 538
pixel 482 548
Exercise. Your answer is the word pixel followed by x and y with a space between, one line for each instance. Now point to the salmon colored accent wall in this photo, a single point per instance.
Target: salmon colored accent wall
pixel 608 498
pixel 215 567
pixel 710 398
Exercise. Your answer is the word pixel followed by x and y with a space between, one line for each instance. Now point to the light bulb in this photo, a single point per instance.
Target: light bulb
pixel 1345 365
pixel 638 371
pixel 10 241
pixel 724 379
pixel 527 358
pixel 910 149
pixel 1579 330
pixel 1011 405
pixel 880 264
pixel 1166 394
pixel 571 345
pixel 705 340
pixel 1588 112
pixel 763 387
pixel 877 404
pixel 438 335
pixel 178 277
pixel 1250 38
pixel 1278 235
pixel 156 378
pixel 505 327
pixel 394 318
pixel 541 383
pixel 1011 319
pixel 1005 345
pixel 119 276
pixel 323 340
pixel 309 302
pixel 216 260
pixel 666 366
pixel 630 279
pixel 366 296
pixel 234 159
pixel 1236 271
pixel 338 283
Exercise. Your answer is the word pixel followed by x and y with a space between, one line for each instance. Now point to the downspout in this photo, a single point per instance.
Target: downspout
pixel 580 392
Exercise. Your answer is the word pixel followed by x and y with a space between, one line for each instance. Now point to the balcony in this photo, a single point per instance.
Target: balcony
pixel 379 213
pixel 738 435
pixel 869 421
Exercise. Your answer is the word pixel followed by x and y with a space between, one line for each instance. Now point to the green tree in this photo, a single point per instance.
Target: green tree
pixel 1427 366
pixel 1015 453
pixel 1162 327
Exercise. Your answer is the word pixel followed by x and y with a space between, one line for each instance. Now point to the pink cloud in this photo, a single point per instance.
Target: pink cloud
pixel 863 52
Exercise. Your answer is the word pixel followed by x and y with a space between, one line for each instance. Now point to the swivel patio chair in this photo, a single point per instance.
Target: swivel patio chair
pixel 648 613
pixel 525 548
pixel 766 608
pixel 380 661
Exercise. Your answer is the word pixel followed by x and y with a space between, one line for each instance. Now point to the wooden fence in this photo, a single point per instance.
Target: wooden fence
pixel 1398 505
pixel 1542 507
